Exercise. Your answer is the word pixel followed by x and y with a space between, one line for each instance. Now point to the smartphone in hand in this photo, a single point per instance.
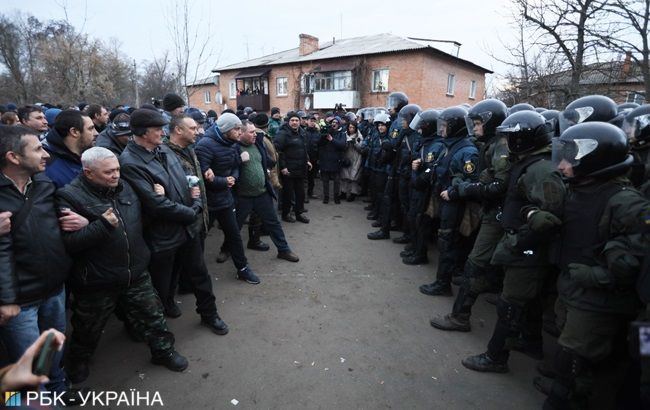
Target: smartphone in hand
pixel 43 362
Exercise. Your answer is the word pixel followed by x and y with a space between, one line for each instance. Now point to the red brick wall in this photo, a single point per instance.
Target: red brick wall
pixel 197 98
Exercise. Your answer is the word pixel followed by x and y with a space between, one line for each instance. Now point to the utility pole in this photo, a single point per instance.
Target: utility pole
pixel 135 84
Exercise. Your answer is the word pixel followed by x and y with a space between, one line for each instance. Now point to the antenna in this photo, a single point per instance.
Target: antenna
pixel 341 17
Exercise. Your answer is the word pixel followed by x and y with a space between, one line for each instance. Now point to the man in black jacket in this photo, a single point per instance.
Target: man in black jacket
pixel 291 144
pixel 171 210
pixel 116 135
pixel 33 261
pixel 110 265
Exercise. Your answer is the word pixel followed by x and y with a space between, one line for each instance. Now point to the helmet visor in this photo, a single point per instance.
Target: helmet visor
pixel 634 126
pixel 573 116
pixel 442 128
pixel 393 101
pixel 483 117
pixel 416 123
pixel 572 151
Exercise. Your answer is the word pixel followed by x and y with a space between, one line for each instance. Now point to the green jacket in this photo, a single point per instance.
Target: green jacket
pixel 274 126
pixel 621 244
pixel 541 188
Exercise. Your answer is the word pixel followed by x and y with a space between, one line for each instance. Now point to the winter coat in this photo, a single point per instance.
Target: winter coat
pixel 222 155
pixel 169 219
pixel 33 261
pixel 108 140
pixel 353 153
pixel 105 256
pixel 331 152
pixel 292 150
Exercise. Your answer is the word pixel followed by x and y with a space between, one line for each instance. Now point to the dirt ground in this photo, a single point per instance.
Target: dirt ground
pixel 344 328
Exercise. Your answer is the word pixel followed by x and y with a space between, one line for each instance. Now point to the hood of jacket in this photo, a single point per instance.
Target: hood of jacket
pixel 56 146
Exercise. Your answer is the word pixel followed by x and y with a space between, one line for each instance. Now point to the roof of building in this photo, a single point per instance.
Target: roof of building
pixel 610 72
pixel 203 81
pixel 373 44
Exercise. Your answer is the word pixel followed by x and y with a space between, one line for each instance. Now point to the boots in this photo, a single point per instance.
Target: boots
pixel 254 241
pixel 569 366
pixel 458 320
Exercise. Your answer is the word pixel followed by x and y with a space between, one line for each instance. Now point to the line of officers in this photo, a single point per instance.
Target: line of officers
pixel 548 209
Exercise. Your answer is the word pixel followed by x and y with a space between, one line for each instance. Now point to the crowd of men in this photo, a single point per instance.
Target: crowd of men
pixel 548 209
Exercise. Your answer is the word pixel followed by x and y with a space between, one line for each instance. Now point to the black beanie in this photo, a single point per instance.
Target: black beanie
pixel 275 110
pixel 261 120
pixel 172 101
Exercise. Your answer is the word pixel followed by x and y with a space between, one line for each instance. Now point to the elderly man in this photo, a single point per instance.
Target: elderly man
pixel 33 261
pixel 171 210
pixel 255 192
pixel 111 258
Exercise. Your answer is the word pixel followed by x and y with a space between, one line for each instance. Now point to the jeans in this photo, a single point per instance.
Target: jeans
pixel 23 330
pixel 232 238
pixel 263 206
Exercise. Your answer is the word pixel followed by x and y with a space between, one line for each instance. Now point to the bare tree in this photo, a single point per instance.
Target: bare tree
pixel 191 51
pixel 157 79
pixel 569 29
pixel 632 18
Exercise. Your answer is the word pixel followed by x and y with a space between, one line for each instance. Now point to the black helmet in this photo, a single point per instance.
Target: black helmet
pixel 587 109
pixel 396 100
pixel 520 107
pixel 554 117
pixel 637 125
pixel 490 112
pixel 408 112
pixel 540 109
pixel 451 122
pixel 427 121
pixel 526 131
pixel 593 149
pixel 626 106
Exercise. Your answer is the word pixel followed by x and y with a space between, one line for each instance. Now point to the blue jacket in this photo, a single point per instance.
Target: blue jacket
pixel 331 152
pixel 373 143
pixel 459 160
pixel 221 155
pixel 64 165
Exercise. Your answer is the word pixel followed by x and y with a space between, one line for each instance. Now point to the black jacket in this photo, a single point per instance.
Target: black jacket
pixel 169 218
pixel 105 256
pixel 292 150
pixel 33 261
pixel 108 140
pixel 222 156
pixel 331 152
pixel 313 138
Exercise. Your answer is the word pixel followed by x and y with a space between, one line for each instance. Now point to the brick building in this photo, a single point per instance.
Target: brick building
pixel 356 72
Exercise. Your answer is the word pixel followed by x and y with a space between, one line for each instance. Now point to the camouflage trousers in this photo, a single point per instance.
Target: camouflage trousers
pixel 141 307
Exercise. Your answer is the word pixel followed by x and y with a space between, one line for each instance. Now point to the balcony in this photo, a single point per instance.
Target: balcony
pixel 328 99
pixel 259 102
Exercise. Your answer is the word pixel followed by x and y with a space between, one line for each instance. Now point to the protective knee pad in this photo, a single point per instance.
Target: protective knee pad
pixel 510 314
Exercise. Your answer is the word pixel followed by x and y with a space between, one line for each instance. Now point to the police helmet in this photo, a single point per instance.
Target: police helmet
pixel 451 122
pixel 427 121
pixel 396 100
pixel 626 106
pixel 637 125
pixel 587 109
pixel 408 112
pixel 490 112
pixel 554 117
pixel 520 107
pixel 526 131
pixel 382 118
pixel 594 149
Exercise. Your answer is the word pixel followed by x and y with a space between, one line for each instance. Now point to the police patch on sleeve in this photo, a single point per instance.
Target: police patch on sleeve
pixel 469 167
pixel 395 134
pixel 430 157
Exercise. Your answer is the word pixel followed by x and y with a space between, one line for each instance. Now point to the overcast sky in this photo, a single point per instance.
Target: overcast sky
pixel 248 29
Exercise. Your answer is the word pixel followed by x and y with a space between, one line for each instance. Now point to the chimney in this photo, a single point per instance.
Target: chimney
pixel 308 44
pixel 627 65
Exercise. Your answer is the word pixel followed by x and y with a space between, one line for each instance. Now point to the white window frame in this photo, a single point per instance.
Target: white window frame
pixel 206 97
pixel 451 84
pixel 379 73
pixel 232 89
pixel 280 83
pixel 472 89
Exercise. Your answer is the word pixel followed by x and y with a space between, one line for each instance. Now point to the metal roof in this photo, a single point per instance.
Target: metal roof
pixel 374 44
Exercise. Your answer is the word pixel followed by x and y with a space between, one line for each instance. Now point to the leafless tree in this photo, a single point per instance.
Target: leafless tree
pixel 157 79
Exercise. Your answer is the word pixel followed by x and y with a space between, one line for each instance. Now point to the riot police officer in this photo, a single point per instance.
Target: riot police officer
pixel 423 208
pixel 531 208
pixel 458 163
pixel 375 162
pixel 587 109
pixel 637 127
pixel 494 168
pixel 599 262
pixel 388 212
pixel 409 140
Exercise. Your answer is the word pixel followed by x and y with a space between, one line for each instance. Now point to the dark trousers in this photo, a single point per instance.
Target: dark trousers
pixel 293 188
pixel 190 264
pixel 311 176
pixel 263 207
pixel 227 219
pixel 404 194
pixel 378 184
pixel 326 177
pixel 142 308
